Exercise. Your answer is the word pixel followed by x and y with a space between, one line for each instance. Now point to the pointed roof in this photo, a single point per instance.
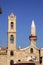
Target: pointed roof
pixel 12 14
pixel 33 24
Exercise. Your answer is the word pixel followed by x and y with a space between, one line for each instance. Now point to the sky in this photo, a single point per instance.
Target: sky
pixel 25 11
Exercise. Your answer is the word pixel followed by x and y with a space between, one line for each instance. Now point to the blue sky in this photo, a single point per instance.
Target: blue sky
pixel 25 11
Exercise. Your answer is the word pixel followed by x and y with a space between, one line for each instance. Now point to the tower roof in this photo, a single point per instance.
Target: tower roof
pixel 12 14
pixel 33 24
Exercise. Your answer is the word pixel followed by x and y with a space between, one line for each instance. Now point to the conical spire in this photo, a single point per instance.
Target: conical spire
pixel 33 28
pixel 33 24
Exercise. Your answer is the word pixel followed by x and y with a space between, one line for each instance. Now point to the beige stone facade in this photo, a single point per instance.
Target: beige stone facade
pixel 12 55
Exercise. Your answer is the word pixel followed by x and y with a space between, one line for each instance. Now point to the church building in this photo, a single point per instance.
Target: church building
pixel 12 55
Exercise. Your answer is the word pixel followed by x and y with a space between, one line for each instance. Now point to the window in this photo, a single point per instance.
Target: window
pixel 12 39
pixel 11 53
pixel 11 62
pixel 40 60
pixel 12 24
pixel 31 50
pixel 19 60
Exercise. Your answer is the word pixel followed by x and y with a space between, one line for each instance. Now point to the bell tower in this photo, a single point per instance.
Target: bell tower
pixel 11 32
pixel 11 39
pixel 33 36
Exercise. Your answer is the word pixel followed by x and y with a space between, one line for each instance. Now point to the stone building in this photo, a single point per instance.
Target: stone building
pixel 12 55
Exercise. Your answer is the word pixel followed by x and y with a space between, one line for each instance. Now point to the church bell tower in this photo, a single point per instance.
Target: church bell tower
pixel 11 32
pixel 11 39
pixel 33 36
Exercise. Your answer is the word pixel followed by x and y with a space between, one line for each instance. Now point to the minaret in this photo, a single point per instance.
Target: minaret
pixel 33 36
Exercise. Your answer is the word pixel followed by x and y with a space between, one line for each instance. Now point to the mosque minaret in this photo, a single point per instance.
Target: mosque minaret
pixel 33 36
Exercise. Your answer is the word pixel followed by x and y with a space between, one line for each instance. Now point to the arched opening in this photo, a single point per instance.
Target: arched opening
pixel 11 62
pixel 12 25
pixel 11 53
pixel 40 60
pixel 31 50
pixel 12 39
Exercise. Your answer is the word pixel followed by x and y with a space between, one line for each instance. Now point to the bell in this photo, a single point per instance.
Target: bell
pixel 0 11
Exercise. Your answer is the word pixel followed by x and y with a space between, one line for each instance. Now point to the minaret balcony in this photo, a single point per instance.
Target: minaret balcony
pixel 33 37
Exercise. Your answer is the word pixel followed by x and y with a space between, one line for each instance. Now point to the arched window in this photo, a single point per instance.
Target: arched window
pixel 11 62
pixel 11 53
pixel 31 50
pixel 12 25
pixel 12 39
